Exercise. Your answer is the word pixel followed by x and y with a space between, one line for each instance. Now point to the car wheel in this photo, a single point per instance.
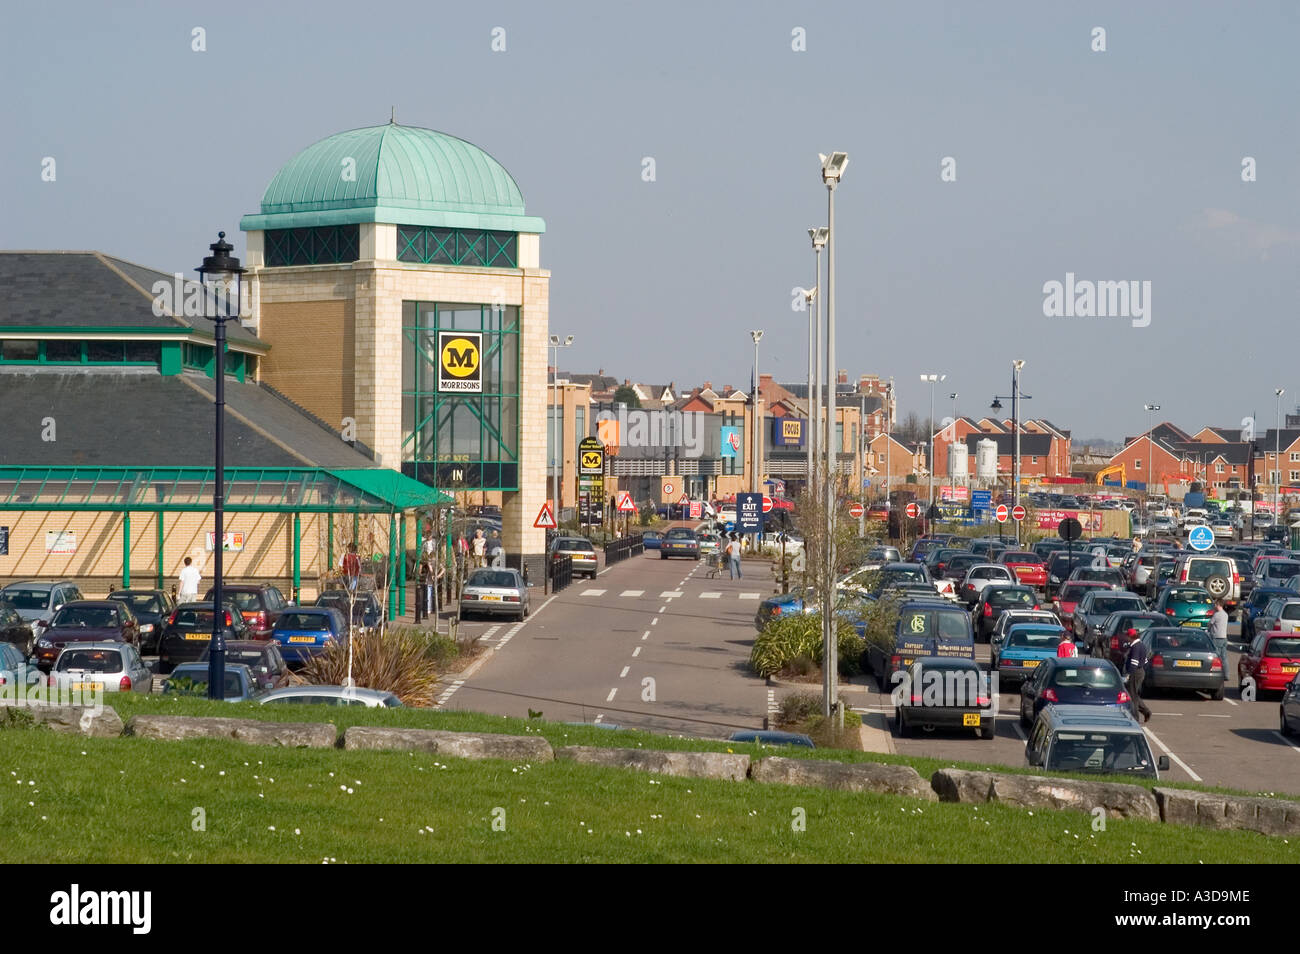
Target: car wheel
pixel 987 730
pixel 662 555
pixel 1283 727
pixel 1217 694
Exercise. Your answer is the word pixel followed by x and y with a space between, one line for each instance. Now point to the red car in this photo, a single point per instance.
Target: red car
pixel 1027 566
pixel 1272 661
pixel 1067 598
pixel 85 621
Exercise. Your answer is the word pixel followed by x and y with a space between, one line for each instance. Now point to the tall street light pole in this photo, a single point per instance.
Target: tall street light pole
pixel 1016 367
pixel 810 439
pixel 832 170
pixel 756 441
pixel 1277 458
pixel 951 438
pixel 889 427
pixel 557 416
pixel 819 237
pixel 931 379
pixel 220 275
pixel 1150 449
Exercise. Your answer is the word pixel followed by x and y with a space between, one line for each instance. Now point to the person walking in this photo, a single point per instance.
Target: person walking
pixel 1219 632
pixel 423 588
pixel 1135 666
pixel 1066 649
pixel 496 550
pixel 190 578
pixel 733 557
pixel 479 547
pixel 351 566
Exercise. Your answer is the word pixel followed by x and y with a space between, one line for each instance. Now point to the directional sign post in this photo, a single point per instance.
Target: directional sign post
pixel 1200 538
pixel 749 513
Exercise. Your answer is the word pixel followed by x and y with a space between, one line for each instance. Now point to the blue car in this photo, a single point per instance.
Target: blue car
pixel 305 631
pixel 651 539
pixel 1084 681
pixel 1024 648
pixel 1260 597
pixel 786 604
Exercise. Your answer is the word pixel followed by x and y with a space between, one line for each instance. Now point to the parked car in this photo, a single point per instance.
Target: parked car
pixel 1185 605
pixel 331 696
pixel 994 600
pixel 14 670
pixel 1029 567
pixel 1092 739
pixel 770 737
pixel 1076 682
pixel 1182 657
pixel 189 629
pixel 1109 575
pixel 14 629
pixel 1010 617
pixel 680 542
pixel 925 627
pixel 581 551
pixel 85 621
pixel 650 539
pixel 151 608
pixel 1119 630
pixel 1272 662
pixel 259 603
pixel 786 604
pixel 1061 564
pixel 1281 615
pixel 100 667
pixel 363 607
pixel 38 601
pixel 1218 574
pixel 263 659
pixel 945 693
pixel 496 592
pixel 1023 648
pixel 1276 572
pixel 191 679
pixel 1289 710
pixel 306 631
pixel 1068 597
pixel 1090 614
pixel 1260 598
pixel 980 576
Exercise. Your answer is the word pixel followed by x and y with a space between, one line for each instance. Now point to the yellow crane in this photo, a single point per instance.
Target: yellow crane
pixel 1107 471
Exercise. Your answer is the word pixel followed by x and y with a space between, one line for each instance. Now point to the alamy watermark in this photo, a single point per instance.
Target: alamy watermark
pixel 190 299
pixel 637 428
pixel 946 687
pixel 16 689
pixel 1088 299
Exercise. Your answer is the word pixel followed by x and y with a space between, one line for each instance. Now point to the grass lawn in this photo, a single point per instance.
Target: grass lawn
pixel 134 800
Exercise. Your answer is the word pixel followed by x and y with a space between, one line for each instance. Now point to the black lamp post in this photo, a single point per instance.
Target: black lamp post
pixel 220 275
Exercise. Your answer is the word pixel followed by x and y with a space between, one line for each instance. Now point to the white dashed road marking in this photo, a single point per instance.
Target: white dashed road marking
pixel 610 697
pixel 623 674
pixel 710 596
pixel 1231 702
pixel 1175 759
pixel 451 690
pixel 632 593
pixel 654 622
pixel 669 594
pixel 1287 741
pixel 592 593
pixel 510 634
pixel 662 608
pixel 771 708
pixel 637 651
pixel 751 596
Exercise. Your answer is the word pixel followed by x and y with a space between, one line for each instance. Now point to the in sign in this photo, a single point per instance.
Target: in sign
pixel 1017 513
pixel 1001 513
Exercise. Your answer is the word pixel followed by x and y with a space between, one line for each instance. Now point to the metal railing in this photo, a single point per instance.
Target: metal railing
pixel 561 570
pixel 617 550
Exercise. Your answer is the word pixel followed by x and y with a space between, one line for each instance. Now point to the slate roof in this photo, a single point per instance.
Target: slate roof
pixel 128 417
pixel 91 290
pixel 1031 445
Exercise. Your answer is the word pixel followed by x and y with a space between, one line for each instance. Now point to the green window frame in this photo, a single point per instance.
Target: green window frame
pixel 483 248
pixel 466 441
pixel 70 351
pixel 323 245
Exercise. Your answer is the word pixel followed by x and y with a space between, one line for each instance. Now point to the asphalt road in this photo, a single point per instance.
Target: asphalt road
pixel 654 644
pixel 649 644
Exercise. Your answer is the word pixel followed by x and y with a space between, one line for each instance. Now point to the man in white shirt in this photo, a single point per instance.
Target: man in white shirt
pixel 190 578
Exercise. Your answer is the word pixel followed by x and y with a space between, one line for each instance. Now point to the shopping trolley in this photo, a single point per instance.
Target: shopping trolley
pixel 715 564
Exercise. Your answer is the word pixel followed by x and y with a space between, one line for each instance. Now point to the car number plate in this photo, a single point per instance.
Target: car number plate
pixel 1030 663
pixel 1188 663
pixel 1290 669
pixel 970 718
pixel 491 599
pixel 302 639
pixel 195 637
pixel 85 686
pixel 1194 622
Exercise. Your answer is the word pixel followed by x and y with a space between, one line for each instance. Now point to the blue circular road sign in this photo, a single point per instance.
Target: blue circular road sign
pixel 1200 538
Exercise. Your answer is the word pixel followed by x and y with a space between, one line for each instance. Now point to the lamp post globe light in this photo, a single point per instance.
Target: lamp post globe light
pixel 833 166
pixel 557 432
pixel 1015 398
pixel 221 277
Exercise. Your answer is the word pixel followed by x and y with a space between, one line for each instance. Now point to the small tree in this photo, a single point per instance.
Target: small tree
pixel 626 394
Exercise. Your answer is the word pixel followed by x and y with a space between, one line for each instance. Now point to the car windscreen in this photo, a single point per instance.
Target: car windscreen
pixel 311 622
pixel 1204 569
pixel 897 575
pixel 674 534
pixel 1033 639
pixel 492 578
pixel 1113 604
pixel 1281 569
pixel 247 602
pixel 1089 677
pixel 1011 598
pixel 139 602
pixel 198 682
pixel 1072 594
pixel 944 624
pixel 1286 647
pixel 1017 557
pixel 88 617
pixel 90 660
pixel 1192 641
pixel 28 599
pixel 586 547
pixel 1182 595
pixel 1099 752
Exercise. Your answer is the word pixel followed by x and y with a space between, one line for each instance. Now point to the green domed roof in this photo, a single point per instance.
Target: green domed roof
pixel 398 174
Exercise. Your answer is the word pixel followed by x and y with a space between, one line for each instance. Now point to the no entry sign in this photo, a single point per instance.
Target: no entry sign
pixel 1017 513
pixel 913 510
pixel 855 510
pixel 1001 513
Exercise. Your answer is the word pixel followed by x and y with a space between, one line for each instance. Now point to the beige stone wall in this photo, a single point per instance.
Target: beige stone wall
pixel 311 361
pixel 97 563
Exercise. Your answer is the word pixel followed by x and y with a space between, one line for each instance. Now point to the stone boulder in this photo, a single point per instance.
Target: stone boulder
pixel 102 722
pixel 316 735
pixel 461 745
pixel 1268 816
pixel 1036 791
pixel 844 776
pixel 726 766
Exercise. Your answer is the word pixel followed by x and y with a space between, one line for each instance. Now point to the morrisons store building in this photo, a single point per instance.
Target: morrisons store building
pixel 392 353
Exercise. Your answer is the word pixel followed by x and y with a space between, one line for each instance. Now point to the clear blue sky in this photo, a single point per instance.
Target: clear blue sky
pixel 1122 165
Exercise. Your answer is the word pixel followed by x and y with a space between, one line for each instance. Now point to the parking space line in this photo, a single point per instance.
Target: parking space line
pixel 646 634
pixel 669 594
pixel 637 651
pixel 710 596
pixel 1020 732
pixel 1231 702
pixel 632 593
pixel 1215 715
pixel 1172 757
pixel 623 674
pixel 610 697
pixel 751 596
pixel 1287 741
pixel 655 621
pixel 592 593
pixel 662 608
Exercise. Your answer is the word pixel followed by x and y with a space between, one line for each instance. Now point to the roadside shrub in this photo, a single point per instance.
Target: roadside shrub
pixel 799 706
pixel 879 618
pixel 439 648
pixel 788 638
pixel 392 660
pixel 12 717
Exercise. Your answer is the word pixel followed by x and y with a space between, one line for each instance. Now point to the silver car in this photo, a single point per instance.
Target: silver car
pixel 37 601
pixel 100 667
pixel 495 592
pixel 332 696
